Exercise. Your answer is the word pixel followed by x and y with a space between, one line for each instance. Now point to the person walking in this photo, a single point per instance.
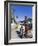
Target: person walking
pixel 21 32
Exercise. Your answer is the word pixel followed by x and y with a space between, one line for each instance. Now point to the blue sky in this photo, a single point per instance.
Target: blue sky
pixel 21 12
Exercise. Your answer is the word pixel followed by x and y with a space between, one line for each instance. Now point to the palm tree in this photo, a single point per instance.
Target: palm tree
pixel 13 18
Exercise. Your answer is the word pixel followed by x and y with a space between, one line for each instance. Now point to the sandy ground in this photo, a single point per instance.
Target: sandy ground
pixel 15 35
pixel 13 31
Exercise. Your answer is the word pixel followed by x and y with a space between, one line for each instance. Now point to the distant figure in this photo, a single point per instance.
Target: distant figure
pixel 26 29
pixel 26 26
pixel 21 32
